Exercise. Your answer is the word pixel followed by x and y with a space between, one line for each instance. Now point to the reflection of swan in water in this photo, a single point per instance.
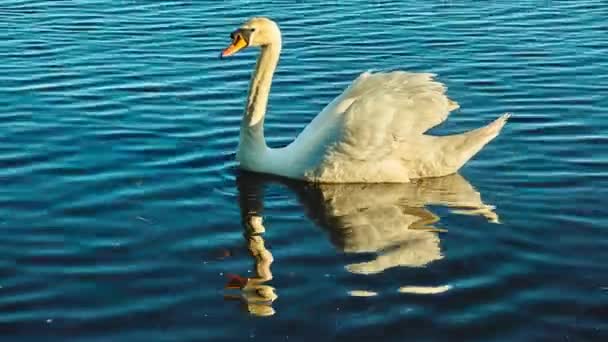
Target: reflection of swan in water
pixel 391 219
pixel 388 219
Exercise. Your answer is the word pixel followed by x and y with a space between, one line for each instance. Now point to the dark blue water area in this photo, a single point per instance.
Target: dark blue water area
pixel 124 217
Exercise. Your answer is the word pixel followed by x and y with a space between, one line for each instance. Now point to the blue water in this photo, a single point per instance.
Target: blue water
pixel 123 216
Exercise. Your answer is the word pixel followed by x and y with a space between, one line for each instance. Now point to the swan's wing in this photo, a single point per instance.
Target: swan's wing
pixel 415 101
pixel 378 109
pixel 393 107
pixel 412 102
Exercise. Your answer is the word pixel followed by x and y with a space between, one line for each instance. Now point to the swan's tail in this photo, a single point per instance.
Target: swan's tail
pixel 459 148
pixel 496 126
pixel 452 105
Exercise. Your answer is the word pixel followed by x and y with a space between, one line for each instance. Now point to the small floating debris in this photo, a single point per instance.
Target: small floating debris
pixel 141 218
pixel 362 293
pixel 49 321
pixel 223 254
pixel 424 289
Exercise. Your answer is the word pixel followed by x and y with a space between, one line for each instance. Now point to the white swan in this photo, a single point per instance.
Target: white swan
pixel 373 132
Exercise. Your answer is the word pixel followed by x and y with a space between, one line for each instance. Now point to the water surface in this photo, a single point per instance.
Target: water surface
pixel 123 216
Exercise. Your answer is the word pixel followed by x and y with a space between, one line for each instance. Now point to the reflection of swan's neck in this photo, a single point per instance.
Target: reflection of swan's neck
pixel 252 127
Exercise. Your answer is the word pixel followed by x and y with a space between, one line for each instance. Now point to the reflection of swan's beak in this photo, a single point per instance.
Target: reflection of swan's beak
pixel 235 281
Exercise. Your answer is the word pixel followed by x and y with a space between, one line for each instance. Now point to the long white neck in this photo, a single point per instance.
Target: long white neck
pixel 252 145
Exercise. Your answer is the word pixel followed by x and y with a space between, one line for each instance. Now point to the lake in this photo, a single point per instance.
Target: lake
pixel 124 216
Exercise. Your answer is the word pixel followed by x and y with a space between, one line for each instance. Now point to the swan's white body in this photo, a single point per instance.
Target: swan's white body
pixel 373 132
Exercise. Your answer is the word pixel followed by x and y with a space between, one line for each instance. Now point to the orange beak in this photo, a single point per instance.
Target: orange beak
pixel 238 44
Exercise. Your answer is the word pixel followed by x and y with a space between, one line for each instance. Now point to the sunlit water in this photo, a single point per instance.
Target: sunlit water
pixel 123 216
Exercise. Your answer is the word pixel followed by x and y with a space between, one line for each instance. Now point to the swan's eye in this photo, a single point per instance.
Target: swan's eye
pixel 252 29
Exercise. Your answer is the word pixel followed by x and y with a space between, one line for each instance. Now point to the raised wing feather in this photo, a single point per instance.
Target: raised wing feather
pixel 385 108
pixel 414 102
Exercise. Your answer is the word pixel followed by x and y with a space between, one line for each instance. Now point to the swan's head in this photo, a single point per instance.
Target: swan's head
pixel 255 32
